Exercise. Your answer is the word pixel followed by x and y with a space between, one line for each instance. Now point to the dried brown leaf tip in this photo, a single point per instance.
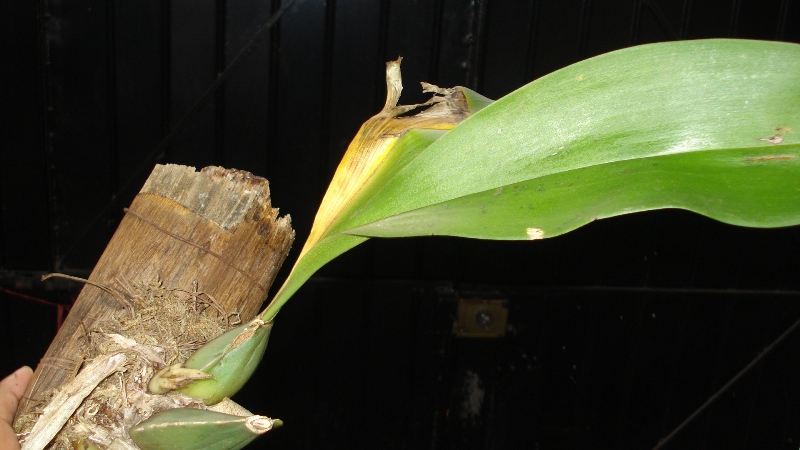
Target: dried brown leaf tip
pixel 376 139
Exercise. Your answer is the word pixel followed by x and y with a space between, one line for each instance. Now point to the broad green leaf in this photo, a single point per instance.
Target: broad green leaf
pixel 712 126
pixel 640 102
pixel 739 186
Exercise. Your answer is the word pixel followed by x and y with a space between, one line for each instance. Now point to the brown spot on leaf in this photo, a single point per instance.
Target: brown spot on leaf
pixel 771 158
pixel 777 139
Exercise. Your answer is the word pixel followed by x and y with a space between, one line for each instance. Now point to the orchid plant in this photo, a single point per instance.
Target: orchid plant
pixel 710 126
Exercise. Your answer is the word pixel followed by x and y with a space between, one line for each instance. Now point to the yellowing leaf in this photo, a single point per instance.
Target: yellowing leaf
pixel 380 143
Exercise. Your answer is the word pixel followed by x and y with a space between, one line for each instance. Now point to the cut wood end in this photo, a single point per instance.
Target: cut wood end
pixel 285 222
pixel 227 197
pixel 241 177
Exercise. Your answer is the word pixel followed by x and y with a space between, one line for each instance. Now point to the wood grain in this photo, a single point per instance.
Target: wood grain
pixel 215 228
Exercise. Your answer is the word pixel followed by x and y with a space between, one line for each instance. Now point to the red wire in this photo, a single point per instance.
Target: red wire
pixel 60 308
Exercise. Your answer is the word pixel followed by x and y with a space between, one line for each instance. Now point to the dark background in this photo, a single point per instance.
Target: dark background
pixel 617 331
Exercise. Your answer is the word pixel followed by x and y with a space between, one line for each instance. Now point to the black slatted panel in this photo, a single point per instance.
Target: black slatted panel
pixel 24 219
pixel 81 87
pixel 508 43
pixel 140 120
pixel 193 68
pixel 247 92
pixel 299 116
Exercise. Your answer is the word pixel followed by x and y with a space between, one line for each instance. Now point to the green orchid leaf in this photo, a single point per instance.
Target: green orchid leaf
pixel 640 102
pixel 198 429
pixel 738 186
pixel 712 126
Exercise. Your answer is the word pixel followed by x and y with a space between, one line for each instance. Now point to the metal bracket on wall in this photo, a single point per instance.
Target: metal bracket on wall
pixel 481 318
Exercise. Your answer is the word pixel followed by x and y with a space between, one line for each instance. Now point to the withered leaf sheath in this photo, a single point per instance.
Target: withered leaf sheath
pixel 230 359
